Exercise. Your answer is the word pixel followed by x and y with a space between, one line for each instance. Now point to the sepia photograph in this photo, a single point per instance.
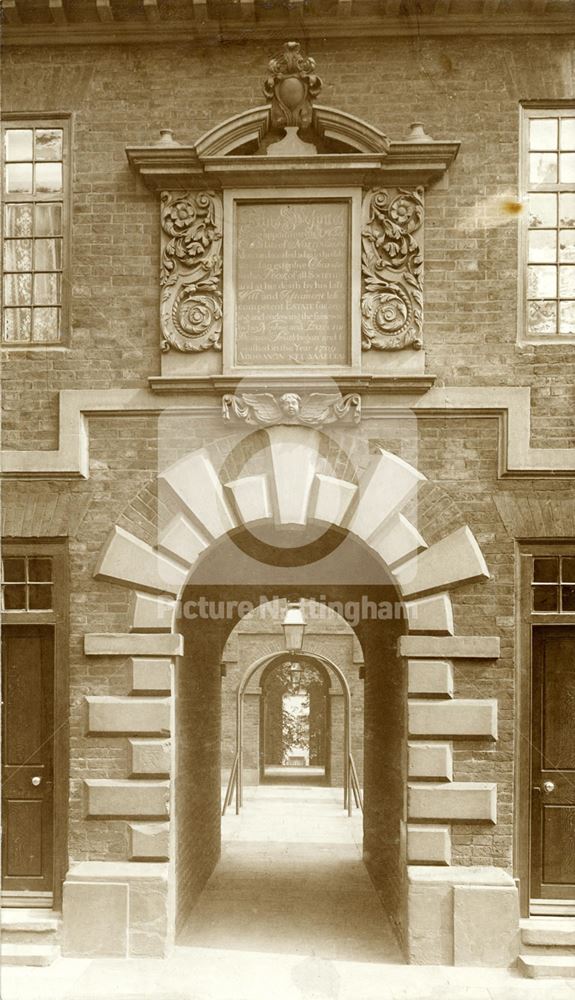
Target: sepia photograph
pixel 287 500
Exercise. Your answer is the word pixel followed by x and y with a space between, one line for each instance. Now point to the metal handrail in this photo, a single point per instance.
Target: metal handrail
pixel 354 783
pixel 352 787
pixel 232 783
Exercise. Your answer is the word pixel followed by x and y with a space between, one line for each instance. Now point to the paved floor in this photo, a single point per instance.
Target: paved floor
pixel 289 914
pixel 291 880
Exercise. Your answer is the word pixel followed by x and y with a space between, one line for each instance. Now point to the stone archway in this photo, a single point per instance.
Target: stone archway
pixel 303 675
pixel 291 490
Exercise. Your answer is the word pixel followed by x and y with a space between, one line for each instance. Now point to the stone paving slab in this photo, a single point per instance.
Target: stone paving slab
pixel 284 917
pixel 211 974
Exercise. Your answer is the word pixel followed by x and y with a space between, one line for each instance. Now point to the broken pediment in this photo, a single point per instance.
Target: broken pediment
pixel 292 140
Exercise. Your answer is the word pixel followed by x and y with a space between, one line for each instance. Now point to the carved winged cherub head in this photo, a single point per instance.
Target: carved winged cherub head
pixel 290 404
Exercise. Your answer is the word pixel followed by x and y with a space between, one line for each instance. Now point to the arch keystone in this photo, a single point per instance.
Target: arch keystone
pixel 384 488
pixel 454 560
pixel 294 454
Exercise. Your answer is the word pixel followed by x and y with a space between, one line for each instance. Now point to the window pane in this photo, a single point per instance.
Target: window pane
pixel 543 168
pixel 18 220
pixel 567 209
pixel 48 177
pixel 17 324
pixel 542 210
pixel 18 289
pixel 18 144
pixel 46 289
pixel 14 570
pixel 567 167
pixel 40 596
pixel 545 598
pixel 39 569
pixel 48 219
pixel 18 255
pixel 567 244
pixel 567 282
pixel 46 324
pixel 567 317
pixel 542 318
pixel 14 597
pixel 48 143
pixel 19 178
pixel 568 598
pixel 545 569
pixel 568 569
pixel 542 282
pixel 543 133
pixel 568 133
pixel 47 255
pixel 542 245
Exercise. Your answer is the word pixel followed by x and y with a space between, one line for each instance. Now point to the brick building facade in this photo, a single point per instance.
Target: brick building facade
pixel 150 464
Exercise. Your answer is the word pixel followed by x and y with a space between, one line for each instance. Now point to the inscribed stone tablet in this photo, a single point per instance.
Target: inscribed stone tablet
pixel 292 283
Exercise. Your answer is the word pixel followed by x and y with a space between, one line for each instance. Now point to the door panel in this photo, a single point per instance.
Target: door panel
pixel 553 756
pixel 27 764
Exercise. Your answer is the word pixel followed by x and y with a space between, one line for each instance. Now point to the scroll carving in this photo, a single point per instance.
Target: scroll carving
pixel 264 409
pixel 191 272
pixel 392 270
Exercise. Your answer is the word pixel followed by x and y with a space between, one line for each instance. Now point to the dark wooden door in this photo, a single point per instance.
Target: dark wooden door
pixel 553 755
pixel 27 742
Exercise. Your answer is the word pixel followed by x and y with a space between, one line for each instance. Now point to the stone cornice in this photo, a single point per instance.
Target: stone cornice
pixel 411 385
pixel 175 168
pixel 146 23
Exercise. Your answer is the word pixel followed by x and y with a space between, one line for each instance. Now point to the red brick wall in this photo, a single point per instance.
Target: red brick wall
pixel 463 88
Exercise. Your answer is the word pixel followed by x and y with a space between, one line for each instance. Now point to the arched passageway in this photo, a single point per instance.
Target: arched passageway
pixel 199 701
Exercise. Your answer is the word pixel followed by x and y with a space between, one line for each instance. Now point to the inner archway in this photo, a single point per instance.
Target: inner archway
pixel 295 722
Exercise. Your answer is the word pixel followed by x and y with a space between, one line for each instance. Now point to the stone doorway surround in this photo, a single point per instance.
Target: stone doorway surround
pixel 455 914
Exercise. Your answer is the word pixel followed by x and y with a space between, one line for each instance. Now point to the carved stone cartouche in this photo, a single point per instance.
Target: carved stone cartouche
pixel 291 87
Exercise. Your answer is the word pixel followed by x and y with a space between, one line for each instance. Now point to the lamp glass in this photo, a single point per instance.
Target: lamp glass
pixel 294 627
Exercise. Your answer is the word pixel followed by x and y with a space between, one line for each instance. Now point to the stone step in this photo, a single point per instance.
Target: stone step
pixel 546 966
pixel 555 932
pixel 29 926
pixel 28 954
pixel 33 920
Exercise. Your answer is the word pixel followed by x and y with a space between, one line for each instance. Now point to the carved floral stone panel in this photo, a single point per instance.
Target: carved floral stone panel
pixel 191 312
pixel 392 269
